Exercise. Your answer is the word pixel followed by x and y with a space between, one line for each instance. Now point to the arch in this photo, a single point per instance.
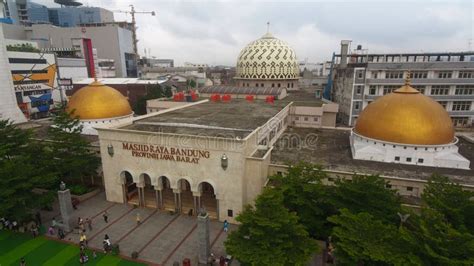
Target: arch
pixel 125 177
pixel 208 198
pixel 148 191
pixel 129 188
pixel 186 197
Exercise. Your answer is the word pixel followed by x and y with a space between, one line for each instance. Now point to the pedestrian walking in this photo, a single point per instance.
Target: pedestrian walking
pixel 226 226
pixel 34 230
pixel 89 223
pixel 106 217
pixel 138 218
pixel 106 243
pixel 15 226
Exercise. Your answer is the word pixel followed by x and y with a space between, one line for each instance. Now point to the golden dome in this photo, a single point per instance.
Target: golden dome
pixel 406 116
pixel 267 58
pixel 98 101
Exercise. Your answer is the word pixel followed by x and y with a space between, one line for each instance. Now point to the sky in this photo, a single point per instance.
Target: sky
pixel 214 32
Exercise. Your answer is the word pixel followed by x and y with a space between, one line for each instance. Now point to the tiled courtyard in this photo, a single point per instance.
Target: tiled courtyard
pixel 161 238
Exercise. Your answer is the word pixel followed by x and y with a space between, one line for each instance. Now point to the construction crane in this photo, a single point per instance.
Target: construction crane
pixel 134 25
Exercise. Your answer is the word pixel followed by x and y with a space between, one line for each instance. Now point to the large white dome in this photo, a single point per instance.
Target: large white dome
pixel 267 58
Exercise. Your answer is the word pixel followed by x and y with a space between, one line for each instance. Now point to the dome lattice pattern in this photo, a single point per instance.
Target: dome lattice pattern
pixel 267 58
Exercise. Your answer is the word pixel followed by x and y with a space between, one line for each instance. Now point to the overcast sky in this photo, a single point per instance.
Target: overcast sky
pixel 214 32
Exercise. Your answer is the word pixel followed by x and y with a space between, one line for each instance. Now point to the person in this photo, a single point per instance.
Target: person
pixel 54 223
pixel 81 224
pixel 34 230
pixel 22 262
pixel 107 243
pixel 61 234
pixel 89 223
pixel 51 230
pixel 106 217
pixel 15 226
pixel 138 218
pixel 83 239
pixel 226 226
pixel 222 261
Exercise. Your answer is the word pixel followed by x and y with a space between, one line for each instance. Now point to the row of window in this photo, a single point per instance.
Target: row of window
pixel 306 118
pixel 408 159
pixel 435 89
pixel 417 74
pixel 278 85
pixel 457 105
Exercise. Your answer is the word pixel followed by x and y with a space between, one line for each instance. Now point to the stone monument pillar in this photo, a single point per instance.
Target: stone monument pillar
pixel 204 243
pixel 65 206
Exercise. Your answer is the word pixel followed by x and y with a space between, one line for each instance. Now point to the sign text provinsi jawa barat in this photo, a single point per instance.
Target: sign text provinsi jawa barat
pixel 165 153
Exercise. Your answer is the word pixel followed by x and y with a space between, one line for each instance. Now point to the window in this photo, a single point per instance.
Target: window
pixel 261 85
pixel 359 89
pixel 409 188
pixel 273 85
pixel 466 74
pixel 464 90
pixel 388 186
pixel 375 75
pixel 279 85
pixel 440 90
pixel 389 89
pixel 315 119
pixel 394 74
pixel 360 74
pixel 461 106
pixel 279 173
pixel 408 159
pixel 297 118
pixel 230 213
pixel 256 85
pixel 419 75
pixel 461 121
pixel 420 160
pixel 372 90
pixel 397 158
pixel 420 88
pixel 443 103
pixel 445 74
pixel 330 179
pixel 305 118
pixel 356 105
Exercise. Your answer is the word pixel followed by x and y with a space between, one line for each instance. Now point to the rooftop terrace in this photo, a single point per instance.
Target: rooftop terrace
pixel 234 119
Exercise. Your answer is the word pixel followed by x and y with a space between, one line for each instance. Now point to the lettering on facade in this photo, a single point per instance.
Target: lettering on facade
pixel 28 87
pixel 157 152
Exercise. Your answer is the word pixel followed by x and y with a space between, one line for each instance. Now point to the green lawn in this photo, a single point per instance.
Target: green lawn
pixel 41 251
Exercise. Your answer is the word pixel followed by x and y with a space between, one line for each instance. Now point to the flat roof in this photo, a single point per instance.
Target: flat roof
pixel 303 98
pixel 234 119
pixel 331 149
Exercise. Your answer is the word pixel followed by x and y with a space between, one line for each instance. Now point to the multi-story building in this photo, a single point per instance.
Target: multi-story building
pixel 361 77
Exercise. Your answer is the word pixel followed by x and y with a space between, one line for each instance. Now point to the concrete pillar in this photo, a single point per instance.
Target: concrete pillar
pixel 204 244
pixel 124 193
pixel 157 199
pixel 139 196
pixel 197 201
pixel 65 206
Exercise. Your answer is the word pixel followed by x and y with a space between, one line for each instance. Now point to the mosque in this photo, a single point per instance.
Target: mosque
pixel 217 155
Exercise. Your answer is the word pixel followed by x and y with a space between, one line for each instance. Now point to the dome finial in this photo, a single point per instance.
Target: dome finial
pixel 268 27
pixel 407 79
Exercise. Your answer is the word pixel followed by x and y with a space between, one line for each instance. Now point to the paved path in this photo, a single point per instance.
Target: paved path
pixel 161 238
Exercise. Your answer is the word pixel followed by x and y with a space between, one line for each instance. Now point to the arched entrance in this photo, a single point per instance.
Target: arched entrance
pixel 186 200
pixel 149 194
pixel 208 200
pixel 167 195
pixel 129 187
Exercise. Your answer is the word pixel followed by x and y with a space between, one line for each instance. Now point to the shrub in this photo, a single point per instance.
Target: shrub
pixel 79 189
pixel 134 255
pixel 115 249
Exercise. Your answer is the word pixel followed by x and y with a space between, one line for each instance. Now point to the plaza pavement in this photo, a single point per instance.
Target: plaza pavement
pixel 160 239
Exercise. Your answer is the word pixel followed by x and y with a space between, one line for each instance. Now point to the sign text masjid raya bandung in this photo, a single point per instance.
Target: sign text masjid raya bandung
pixel 164 153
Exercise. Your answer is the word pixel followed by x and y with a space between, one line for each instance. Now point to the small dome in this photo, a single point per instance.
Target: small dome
pixel 98 101
pixel 408 117
pixel 267 58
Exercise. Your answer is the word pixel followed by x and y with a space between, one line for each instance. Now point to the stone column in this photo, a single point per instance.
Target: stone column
pixel 197 201
pixel 65 206
pixel 204 244
pixel 139 196
pixel 157 199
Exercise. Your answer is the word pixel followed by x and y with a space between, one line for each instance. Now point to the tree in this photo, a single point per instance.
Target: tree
pixel 304 193
pixel 269 234
pixel 449 199
pixel 154 92
pixel 168 92
pixel 367 194
pixel 192 83
pixel 361 239
pixel 22 168
pixel 436 242
pixel 73 154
